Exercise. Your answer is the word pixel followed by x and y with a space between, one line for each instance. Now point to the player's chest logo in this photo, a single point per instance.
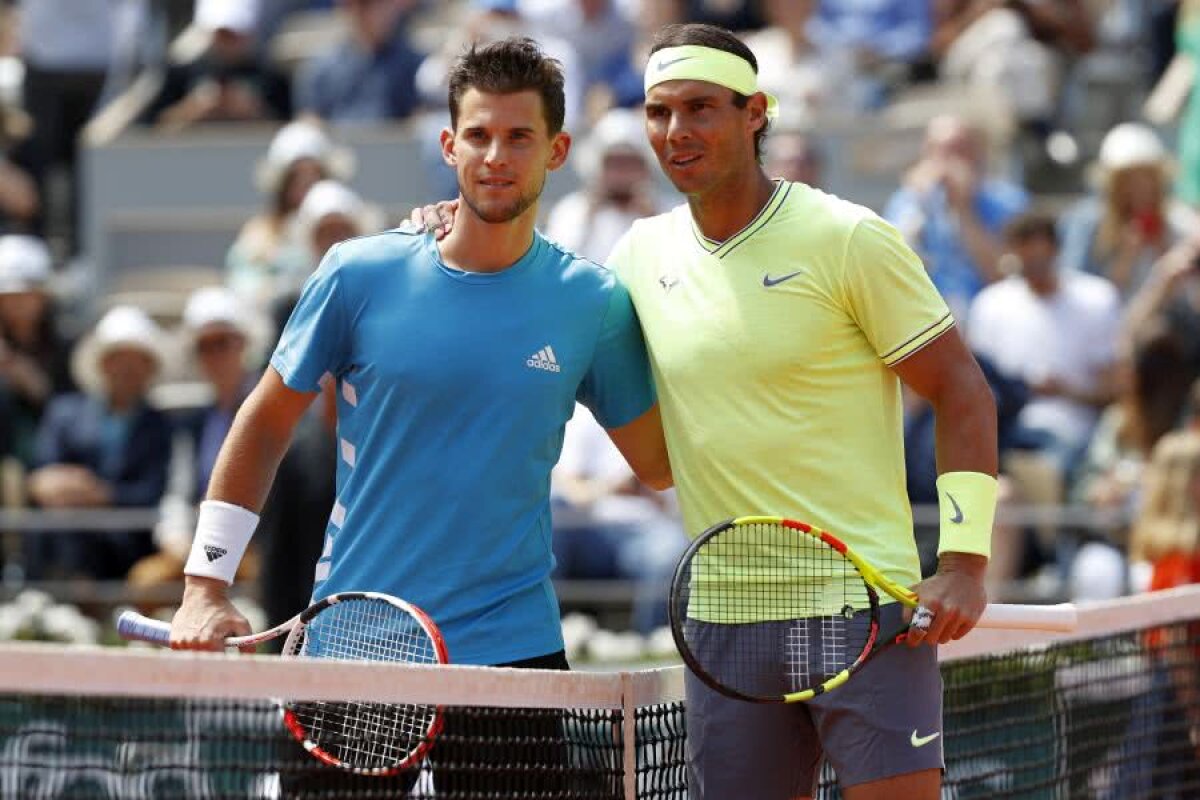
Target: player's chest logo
pixel 668 282
pixel 545 360
pixel 770 280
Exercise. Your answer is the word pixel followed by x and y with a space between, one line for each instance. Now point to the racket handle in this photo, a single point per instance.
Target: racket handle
pixel 1014 616
pixel 136 627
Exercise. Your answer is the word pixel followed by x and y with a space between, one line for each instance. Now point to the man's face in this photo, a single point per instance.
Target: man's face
pixel 219 350
pixel 700 137
pixel 622 173
pixel 501 150
pixel 1038 257
pixel 128 371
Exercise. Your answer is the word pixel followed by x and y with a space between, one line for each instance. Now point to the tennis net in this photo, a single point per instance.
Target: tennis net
pixel 1111 711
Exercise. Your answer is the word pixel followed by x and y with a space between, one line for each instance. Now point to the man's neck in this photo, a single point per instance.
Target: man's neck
pixel 726 209
pixel 477 246
pixel 1044 288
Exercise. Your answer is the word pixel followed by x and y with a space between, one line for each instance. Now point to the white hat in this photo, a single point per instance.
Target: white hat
pixel 330 197
pixel 122 326
pixel 217 306
pixel 1131 144
pixel 1098 572
pixel 618 129
pixel 296 141
pixel 239 16
pixel 25 264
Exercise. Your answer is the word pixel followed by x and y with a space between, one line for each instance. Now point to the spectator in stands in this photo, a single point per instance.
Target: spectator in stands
pixel 229 81
pixel 794 156
pixel 266 258
pixel 619 529
pixel 228 341
pixel 33 351
pixel 1167 531
pixel 20 202
pixel 1172 292
pixel 1154 385
pixel 1130 221
pixel 368 77
pixel 330 213
pixel 601 34
pixel 1178 92
pixel 1018 49
pixel 103 448
pixel 953 213
pixel 734 15
pixel 1057 330
pixel 617 168
pixel 493 20
pixel 67 48
pixel 885 36
pixel 810 77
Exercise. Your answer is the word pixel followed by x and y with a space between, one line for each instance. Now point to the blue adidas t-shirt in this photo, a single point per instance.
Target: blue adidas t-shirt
pixel 453 392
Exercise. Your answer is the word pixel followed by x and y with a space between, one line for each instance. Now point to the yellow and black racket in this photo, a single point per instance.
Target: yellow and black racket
pixel 767 609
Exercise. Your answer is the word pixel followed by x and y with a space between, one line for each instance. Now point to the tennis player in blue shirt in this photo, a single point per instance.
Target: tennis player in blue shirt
pixel 458 363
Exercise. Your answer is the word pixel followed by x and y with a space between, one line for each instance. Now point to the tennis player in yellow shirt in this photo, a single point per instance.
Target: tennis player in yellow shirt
pixel 780 323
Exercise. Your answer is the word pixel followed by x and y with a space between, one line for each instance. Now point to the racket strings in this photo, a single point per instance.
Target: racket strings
pixel 769 610
pixel 367 736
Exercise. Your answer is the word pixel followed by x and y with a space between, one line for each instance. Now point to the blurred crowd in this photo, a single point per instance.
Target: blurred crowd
pixel 1062 226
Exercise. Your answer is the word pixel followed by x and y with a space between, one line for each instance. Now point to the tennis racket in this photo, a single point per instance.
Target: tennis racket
pixel 767 609
pixel 364 738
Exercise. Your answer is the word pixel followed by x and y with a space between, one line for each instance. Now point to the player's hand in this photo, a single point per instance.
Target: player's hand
pixel 954 595
pixel 206 618
pixel 437 219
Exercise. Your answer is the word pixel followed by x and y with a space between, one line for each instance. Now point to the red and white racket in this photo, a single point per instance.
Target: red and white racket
pixel 364 738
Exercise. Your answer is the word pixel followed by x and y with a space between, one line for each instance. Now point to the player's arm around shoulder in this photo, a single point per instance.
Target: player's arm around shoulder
pixel 240 481
pixel 946 374
pixel 644 447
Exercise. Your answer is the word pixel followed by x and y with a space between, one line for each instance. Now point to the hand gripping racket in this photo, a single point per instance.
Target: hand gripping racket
pixel 364 738
pixel 768 609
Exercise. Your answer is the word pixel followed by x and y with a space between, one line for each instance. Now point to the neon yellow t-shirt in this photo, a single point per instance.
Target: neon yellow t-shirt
pixel 771 353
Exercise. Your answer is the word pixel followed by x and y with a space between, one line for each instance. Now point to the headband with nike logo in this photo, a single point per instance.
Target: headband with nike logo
pixel 692 62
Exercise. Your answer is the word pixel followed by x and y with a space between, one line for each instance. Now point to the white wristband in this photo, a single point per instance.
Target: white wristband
pixel 223 531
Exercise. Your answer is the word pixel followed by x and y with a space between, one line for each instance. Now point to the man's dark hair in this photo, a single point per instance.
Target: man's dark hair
pixel 506 67
pixel 703 35
pixel 1031 225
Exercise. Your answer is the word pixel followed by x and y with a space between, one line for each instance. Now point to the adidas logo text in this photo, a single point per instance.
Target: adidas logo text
pixel 544 359
pixel 213 552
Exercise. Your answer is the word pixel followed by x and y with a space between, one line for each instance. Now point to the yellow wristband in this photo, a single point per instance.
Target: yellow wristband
pixel 967 501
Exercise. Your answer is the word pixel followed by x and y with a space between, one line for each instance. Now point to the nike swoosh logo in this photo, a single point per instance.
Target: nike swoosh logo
pixel 769 281
pixel 921 741
pixel 958 515
pixel 664 64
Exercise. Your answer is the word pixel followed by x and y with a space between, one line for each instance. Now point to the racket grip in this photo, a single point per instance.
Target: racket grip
pixel 1016 617
pixel 136 627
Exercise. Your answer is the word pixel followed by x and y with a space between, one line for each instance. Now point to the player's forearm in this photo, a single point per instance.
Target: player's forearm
pixel 965 414
pixel 248 459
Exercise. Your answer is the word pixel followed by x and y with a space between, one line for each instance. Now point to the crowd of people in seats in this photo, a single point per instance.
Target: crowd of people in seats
pixel 1081 299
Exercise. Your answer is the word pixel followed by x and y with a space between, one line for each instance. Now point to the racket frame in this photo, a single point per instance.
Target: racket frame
pixel 872 580
pixel 132 625
pixel 296 728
